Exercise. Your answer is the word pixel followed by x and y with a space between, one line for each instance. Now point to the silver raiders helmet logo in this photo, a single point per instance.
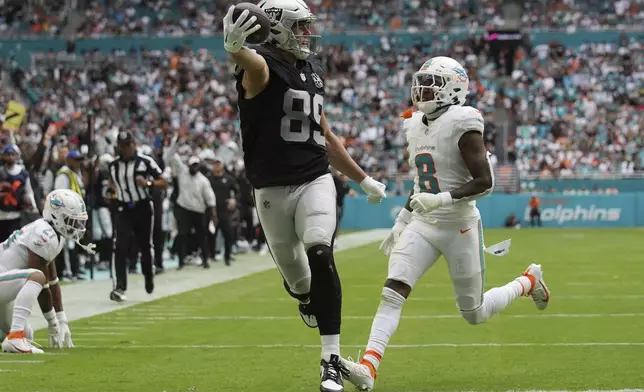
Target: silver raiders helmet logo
pixel 274 14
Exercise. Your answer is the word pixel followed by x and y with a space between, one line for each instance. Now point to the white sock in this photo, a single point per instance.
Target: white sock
pixel 23 303
pixel 499 298
pixel 384 325
pixel 330 346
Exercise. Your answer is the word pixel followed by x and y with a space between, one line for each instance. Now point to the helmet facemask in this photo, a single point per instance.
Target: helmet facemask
pixel 295 36
pixel 429 92
pixel 71 227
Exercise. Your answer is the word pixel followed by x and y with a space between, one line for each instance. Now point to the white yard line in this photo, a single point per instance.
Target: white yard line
pixel 19 361
pixel 98 333
pixel 91 298
pixel 127 318
pixel 392 346
pixel 376 298
pixel 103 328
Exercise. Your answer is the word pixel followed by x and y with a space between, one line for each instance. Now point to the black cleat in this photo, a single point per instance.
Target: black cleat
pixel 149 284
pixel 331 375
pixel 117 295
pixel 306 312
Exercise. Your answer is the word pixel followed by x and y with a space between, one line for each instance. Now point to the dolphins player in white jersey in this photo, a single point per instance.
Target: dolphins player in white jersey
pixel 28 273
pixel 447 148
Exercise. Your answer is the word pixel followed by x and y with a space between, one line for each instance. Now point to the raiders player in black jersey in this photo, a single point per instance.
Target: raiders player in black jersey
pixel 288 147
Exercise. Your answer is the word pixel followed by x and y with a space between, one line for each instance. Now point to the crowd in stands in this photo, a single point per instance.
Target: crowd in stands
pixel 562 111
pixel 200 17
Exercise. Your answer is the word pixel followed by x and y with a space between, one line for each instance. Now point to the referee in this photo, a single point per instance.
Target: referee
pixel 132 174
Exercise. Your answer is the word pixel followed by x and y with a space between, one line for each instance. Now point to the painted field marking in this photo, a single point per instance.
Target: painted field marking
pixel 441 299
pixel 412 317
pixel 396 346
pixel 19 361
pixel 112 328
pixel 98 333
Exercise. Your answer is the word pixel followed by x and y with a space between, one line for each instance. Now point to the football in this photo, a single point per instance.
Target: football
pixel 261 35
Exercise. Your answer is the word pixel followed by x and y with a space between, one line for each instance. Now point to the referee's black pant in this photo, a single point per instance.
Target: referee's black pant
pixel 133 221
pixel 186 221
pixel 158 239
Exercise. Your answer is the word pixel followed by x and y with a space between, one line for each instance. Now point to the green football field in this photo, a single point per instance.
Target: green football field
pixel 246 335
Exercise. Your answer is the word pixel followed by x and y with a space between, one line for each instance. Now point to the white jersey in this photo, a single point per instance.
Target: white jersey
pixel 434 152
pixel 38 237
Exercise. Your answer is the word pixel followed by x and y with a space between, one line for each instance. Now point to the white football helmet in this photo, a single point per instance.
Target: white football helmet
pixel 291 26
pixel 439 83
pixel 65 211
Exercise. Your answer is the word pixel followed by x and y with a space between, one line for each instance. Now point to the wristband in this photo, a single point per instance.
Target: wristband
pixel 50 316
pixel 446 199
pixel 61 316
pixel 404 215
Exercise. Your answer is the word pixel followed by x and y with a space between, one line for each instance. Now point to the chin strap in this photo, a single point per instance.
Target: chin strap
pixel 89 248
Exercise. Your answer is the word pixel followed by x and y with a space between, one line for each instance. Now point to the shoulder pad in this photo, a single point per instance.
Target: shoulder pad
pixel 317 68
pixel 412 122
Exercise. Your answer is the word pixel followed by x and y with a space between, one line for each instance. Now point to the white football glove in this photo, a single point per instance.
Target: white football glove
pixel 403 219
pixel 53 330
pixel 424 203
pixel 235 33
pixel 375 190
pixel 65 335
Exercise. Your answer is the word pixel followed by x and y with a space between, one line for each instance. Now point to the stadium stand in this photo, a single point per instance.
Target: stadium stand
pixel 568 102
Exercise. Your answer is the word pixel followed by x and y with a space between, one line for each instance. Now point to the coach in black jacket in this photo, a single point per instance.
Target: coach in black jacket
pixel 226 191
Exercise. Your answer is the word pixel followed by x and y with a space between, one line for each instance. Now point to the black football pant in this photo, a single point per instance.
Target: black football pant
pixel 158 236
pixel 133 222
pixel 246 218
pixel 186 221
pixel 225 226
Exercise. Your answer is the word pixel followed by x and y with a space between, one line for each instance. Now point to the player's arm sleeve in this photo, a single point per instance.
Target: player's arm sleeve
pixel 472 121
pixel 61 182
pixel 476 158
pixel 43 243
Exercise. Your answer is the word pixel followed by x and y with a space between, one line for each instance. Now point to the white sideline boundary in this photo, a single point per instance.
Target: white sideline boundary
pixel 392 346
pixel 91 298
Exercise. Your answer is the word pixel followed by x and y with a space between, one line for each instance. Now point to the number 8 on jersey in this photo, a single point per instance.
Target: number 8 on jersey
pixel 427 181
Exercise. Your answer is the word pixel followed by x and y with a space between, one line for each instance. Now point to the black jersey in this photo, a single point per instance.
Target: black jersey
pixel 282 139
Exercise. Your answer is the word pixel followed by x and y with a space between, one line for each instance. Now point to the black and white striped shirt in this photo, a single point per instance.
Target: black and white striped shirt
pixel 123 175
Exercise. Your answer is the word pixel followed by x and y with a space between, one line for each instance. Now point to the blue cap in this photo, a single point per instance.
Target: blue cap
pixel 73 154
pixel 11 149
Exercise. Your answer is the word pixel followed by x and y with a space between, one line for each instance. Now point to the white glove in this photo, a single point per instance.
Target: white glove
pixel 53 329
pixel 65 335
pixel 424 203
pixel 235 33
pixel 403 219
pixel 375 190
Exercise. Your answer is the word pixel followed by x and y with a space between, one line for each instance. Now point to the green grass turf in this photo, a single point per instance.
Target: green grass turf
pixel 171 344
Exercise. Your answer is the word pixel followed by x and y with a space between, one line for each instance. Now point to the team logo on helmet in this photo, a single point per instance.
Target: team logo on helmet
pixel 426 65
pixel 274 14
pixel 462 76
pixel 56 204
